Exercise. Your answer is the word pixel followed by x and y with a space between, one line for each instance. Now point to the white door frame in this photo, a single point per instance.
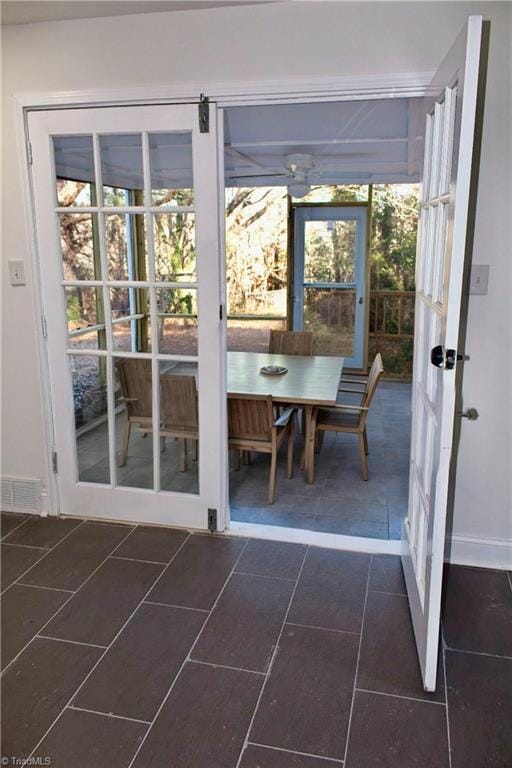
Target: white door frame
pixel 259 92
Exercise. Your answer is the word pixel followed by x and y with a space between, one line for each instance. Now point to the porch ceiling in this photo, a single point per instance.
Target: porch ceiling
pixel 364 141
pixel 351 141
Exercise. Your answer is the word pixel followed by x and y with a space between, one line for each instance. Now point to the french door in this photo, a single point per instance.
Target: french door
pixel 127 216
pixel 329 279
pixel 443 247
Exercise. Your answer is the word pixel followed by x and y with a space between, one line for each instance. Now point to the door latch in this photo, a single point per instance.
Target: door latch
pixel 447 359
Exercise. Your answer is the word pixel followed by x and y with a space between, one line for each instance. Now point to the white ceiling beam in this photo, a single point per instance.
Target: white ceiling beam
pixel 413 113
pixel 314 142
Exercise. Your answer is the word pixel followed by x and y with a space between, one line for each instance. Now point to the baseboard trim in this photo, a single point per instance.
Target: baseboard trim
pixel 483 553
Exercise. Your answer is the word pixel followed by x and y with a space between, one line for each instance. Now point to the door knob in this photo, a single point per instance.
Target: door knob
pixel 471 414
pixel 437 356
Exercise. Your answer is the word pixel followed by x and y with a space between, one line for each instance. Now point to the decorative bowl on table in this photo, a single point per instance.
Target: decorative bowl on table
pixel 273 370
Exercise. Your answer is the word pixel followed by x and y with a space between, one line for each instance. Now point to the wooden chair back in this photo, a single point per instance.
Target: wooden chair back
pixel 375 375
pixel 250 418
pixel 291 343
pixel 178 402
pixel 135 382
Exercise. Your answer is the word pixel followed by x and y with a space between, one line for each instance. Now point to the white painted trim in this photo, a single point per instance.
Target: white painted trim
pixel 482 553
pixel 50 493
pixel 391 85
pixel 315 538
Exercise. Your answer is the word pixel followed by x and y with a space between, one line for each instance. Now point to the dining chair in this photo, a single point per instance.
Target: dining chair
pixel 178 412
pixel 348 418
pixel 291 343
pixel 178 406
pixel 135 385
pixel 253 427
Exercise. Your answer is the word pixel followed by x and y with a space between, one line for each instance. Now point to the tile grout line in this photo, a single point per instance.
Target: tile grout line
pixel 477 653
pixel 322 629
pixel 262 575
pixel 38 586
pixel 16 527
pixel 399 696
pixel 448 735
pixel 73 642
pixel 72 595
pixel 187 658
pixel 171 605
pixel 227 666
pixel 48 550
pixel 107 714
pixel 272 658
pixel 107 648
pixel 27 546
pixel 139 560
pixel 356 672
pixel 294 752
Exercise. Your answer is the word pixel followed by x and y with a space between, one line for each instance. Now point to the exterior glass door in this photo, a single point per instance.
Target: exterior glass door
pixel 126 203
pixel 329 279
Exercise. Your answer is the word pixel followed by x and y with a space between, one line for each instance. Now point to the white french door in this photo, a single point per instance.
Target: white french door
pixel 442 252
pixel 329 278
pixel 126 205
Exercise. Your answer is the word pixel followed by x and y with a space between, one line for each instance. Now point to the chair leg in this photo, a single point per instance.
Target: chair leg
pixel 362 457
pixel 124 445
pixel 365 441
pixel 195 447
pixel 162 444
pixel 289 458
pixel 272 479
pixel 319 440
pixel 237 459
pixel 183 454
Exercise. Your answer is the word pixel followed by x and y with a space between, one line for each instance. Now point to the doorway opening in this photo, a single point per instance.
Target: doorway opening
pixel 337 262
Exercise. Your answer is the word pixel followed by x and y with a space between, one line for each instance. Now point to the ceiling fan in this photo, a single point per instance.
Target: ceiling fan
pixel 299 170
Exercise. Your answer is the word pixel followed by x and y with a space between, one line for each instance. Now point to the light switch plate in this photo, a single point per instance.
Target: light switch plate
pixel 479 281
pixel 17 272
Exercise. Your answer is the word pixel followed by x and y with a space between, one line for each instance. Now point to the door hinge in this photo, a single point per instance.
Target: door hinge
pixel 221 311
pixel 212 520
pixel 55 464
pixel 44 327
pixel 29 152
pixel 204 114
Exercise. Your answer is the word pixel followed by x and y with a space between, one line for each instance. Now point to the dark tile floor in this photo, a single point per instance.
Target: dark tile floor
pixel 133 646
pixel 338 501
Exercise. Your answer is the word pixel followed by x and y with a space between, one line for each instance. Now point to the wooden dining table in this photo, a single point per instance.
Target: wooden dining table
pixel 309 382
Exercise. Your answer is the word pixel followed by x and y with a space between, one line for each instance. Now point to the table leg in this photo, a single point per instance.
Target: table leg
pixel 309 445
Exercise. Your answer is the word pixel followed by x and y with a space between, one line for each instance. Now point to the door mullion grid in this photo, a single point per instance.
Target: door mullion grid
pixel 155 372
pixel 108 315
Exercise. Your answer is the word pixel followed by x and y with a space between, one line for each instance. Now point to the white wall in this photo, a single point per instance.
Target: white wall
pixel 275 41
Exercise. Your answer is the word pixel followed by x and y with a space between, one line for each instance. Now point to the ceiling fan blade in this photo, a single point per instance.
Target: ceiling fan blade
pixel 263 175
